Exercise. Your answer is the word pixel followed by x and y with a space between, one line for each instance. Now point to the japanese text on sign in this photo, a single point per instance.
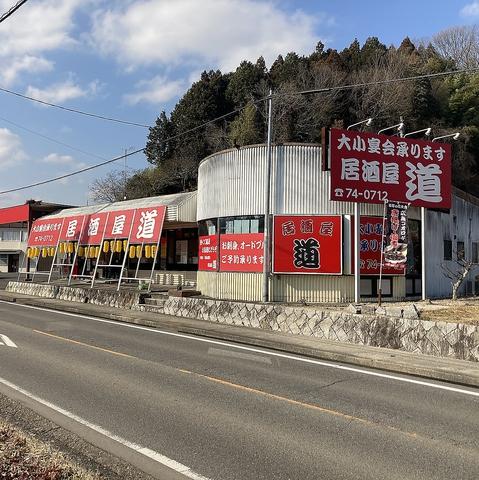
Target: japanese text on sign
pixel 307 244
pixel 208 253
pixel 242 252
pixel 372 168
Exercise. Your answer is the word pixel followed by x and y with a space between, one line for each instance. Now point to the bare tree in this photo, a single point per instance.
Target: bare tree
pixel 111 188
pixel 457 273
pixel 459 44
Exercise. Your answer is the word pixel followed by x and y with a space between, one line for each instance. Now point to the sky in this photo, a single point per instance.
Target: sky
pixel 131 59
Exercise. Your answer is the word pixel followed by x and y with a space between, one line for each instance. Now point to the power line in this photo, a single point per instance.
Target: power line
pixel 381 82
pixel 12 10
pixel 237 110
pixel 50 139
pixel 71 174
pixel 73 110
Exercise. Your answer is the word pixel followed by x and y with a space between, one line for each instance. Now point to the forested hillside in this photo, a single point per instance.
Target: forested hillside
pixel 447 104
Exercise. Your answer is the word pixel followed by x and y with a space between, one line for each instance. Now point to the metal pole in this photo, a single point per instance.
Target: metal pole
pixel 357 272
pixel 380 289
pixel 267 203
pixel 156 251
pixel 75 256
pixel 54 256
pixel 126 252
pixel 423 254
pixel 101 248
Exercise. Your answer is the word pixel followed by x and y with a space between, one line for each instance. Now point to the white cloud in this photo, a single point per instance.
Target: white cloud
pixel 470 10
pixel 27 64
pixel 63 160
pixel 156 91
pixel 214 32
pixel 38 27
pixel 62 92
pixel 11 150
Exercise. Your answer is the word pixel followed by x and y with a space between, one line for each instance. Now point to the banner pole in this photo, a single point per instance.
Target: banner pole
pixel 126 251
pixel 380 289
pixel 423 254
pixel 75 256
pixel 101 248
pixel 357 251
pixel 54 256
pixel 156 251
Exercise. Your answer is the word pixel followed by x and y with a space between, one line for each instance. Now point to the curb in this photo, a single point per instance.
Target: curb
pixel 395 361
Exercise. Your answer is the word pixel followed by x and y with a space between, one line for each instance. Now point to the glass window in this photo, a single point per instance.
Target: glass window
pixel 475 252
pixel 447 249
pixel 366 287
pixel 207 227
pixel 461 252
pixel 246 224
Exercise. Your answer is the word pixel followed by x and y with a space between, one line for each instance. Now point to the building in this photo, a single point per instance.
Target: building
pixel 15 224
pixel 231 204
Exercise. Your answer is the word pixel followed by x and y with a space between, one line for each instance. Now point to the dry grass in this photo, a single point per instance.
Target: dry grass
pixel 460 312
pixel 23 457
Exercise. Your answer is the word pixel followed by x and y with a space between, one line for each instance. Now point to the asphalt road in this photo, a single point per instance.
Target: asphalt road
pixel 227 411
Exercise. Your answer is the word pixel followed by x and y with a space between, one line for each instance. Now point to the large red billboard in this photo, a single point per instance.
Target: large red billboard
pixel 208 253
pixel 94 228
pixel 372 168
pixel 370 238
pixel 242 252
pixel 307 244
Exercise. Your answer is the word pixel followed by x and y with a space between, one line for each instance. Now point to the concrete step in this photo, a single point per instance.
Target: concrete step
pixel 156 301
pixel 152 308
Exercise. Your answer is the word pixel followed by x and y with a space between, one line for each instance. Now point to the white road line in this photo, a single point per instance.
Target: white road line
pixel 263 351
pixel 7 341
pixel 157 457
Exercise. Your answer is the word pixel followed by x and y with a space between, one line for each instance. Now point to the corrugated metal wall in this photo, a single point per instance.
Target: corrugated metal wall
pixel 461 224
pixel 232 286
pixel 231 183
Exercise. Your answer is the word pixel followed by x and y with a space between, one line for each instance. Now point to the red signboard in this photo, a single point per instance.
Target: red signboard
pixel 72 228
pixel 147 224
pixel 45 233
pixel 19 213
pixel 370 237
pixel 119 224
pixel 208 253
pixel 93 229
pixel 372 168
pixel 307 244
pixel 242 252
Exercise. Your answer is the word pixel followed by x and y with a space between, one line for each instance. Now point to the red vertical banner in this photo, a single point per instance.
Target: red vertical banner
pixel 370 238
pixel 307 244
pixel 208 253
pixel 242 252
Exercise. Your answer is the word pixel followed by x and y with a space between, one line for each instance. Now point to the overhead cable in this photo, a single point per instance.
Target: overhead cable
pixel 12 10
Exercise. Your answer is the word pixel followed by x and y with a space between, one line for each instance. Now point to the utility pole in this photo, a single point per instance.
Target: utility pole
pixel 124 176
pixel 267 206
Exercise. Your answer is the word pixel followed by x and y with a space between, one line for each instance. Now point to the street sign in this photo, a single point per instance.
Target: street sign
pixel 371 168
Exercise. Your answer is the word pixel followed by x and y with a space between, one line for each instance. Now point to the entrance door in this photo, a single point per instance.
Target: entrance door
pixel 13 261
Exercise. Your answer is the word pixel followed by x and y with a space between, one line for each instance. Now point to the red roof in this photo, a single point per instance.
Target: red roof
pixel 19 213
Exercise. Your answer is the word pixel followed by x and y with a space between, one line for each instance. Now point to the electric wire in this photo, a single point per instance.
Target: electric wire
pixel 12 10
pixel 74 110
pixel 237 110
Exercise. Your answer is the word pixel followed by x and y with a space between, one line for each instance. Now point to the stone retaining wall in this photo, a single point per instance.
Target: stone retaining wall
pixel 409 334
pixel 123 299
pixel 413 335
